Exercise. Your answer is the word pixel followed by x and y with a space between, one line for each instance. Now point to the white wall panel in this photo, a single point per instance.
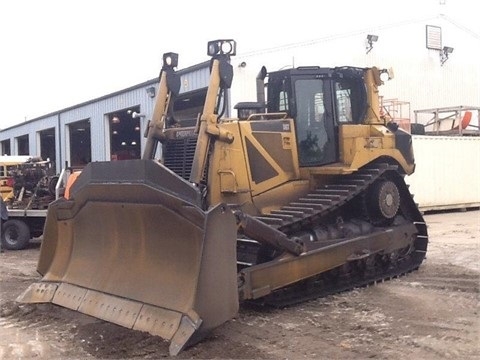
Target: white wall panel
pixel 447 173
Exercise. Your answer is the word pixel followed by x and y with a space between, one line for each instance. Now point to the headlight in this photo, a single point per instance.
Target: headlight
pixel 170 59
pixel 222 47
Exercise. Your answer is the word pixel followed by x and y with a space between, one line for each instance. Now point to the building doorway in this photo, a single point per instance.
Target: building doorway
pixel 23 145
pixel 125 134
pixel 6 147
pixel 47 145
pixel 80 143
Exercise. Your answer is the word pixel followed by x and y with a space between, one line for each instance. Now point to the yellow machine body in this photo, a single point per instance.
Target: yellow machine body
pixel 237 209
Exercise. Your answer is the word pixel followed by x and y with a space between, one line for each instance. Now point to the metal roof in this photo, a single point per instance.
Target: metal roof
pixel 154 81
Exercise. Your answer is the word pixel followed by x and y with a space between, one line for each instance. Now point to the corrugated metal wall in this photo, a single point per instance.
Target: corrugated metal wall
pixel 96 112
pixel 195 79
pixel 30 128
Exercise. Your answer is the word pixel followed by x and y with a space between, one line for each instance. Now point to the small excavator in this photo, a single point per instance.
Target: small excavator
pixel 302 195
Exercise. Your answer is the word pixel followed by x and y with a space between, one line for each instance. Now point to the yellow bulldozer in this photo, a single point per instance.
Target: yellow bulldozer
pixel 301 196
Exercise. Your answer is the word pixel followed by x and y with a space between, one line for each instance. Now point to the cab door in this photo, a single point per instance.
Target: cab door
pixel 315 122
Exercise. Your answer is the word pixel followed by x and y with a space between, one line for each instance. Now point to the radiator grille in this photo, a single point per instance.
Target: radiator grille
pixel 178 155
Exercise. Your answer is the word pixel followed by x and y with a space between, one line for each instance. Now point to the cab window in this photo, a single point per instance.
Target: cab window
pixel 350 100
pixel 311 121
pixel 344 105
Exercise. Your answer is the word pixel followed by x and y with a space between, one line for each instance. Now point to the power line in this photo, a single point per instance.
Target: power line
pixel 333 37
pixel 460 26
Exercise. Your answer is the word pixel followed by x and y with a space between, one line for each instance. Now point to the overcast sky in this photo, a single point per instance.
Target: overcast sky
pixel 57 53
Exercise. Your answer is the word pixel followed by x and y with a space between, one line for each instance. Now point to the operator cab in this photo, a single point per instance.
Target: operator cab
pixel 320 100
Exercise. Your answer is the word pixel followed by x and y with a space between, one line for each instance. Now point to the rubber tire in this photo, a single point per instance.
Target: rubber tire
pixel 15 235
pixel 52 183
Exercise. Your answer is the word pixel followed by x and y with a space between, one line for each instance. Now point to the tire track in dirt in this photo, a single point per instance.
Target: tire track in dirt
pixel 431 313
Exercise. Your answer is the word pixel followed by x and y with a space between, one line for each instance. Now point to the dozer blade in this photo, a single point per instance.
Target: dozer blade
pixel 134 247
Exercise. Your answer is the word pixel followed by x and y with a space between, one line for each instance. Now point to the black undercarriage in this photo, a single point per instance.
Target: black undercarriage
pixel 353 210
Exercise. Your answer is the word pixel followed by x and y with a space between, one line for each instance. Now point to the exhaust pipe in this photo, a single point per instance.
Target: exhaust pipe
pixel 261 87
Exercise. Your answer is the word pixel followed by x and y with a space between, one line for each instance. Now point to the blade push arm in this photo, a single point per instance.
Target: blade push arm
pixel 221 75
pixel 169 84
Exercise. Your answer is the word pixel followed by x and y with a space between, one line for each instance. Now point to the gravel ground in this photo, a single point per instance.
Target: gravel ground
pixel 432 313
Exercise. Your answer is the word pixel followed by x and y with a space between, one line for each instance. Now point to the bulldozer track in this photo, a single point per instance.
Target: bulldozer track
pixel 316 206
pixel 324 200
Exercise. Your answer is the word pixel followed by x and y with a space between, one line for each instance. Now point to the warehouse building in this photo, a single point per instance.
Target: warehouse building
pixel 434 60
pixel 107 128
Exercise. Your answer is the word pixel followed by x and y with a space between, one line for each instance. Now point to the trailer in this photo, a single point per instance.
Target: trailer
pixel 26 217
pixel 447 172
